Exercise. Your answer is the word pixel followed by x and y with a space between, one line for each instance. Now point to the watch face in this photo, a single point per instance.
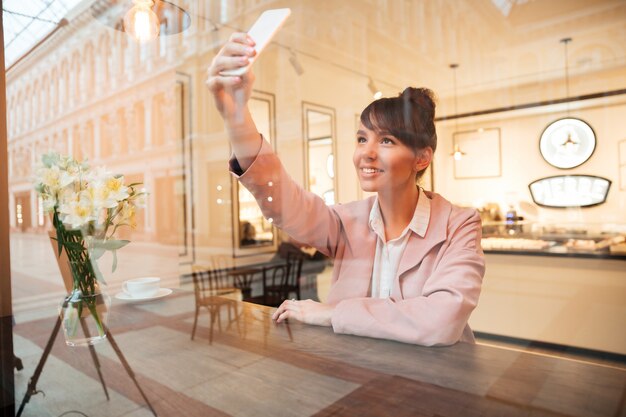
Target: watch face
pixel 567 143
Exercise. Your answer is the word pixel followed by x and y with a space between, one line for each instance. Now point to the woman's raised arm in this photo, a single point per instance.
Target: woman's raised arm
pixel 231 95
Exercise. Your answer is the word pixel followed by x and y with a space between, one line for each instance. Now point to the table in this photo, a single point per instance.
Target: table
pixel 255 367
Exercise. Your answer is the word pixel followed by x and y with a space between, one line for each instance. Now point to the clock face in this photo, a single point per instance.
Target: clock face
pixel 567 143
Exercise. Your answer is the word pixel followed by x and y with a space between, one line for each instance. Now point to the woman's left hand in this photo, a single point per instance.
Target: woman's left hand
pixel 306 311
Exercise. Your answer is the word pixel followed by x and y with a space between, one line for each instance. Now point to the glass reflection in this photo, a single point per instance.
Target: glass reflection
pixel 253 229
pixel 320 151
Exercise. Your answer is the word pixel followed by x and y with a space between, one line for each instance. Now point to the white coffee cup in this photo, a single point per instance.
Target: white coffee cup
pixel 142 287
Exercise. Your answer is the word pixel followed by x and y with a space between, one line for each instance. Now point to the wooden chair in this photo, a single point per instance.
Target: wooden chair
pixel 281 282
pixel 275 285
pixel 212 289
pixel 242 279
pixel 294 270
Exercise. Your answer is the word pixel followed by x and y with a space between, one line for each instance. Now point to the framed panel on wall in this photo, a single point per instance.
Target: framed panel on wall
pixel 320 148
pixel 183 186
pixel 252 232
pixel 481 154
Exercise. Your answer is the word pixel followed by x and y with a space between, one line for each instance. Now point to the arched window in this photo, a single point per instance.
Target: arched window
pixel 36 116
pixel 28 111
pixel 64 85
pixel 54 93
pixel 75 79
pixel 89 70
pixel 45 97
pixel 19 112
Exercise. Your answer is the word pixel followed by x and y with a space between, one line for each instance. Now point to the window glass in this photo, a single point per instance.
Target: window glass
pixel 200 252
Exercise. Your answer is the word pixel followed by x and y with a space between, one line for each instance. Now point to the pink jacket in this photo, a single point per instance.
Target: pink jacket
pixel 439 278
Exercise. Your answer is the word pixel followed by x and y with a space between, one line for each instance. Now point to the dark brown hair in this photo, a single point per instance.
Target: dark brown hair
pixel 410 117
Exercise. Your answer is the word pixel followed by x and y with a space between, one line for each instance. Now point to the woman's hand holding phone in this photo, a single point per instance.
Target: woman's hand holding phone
pixel 231 93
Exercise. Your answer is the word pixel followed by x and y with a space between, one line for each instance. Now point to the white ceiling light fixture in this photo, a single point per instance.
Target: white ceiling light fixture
pixel 140 22
pixel 143 20
pixel 457 153
pixel 567 142
pixel 375 91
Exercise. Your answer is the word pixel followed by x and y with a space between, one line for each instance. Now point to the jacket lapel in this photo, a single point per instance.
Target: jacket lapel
pixel 417 247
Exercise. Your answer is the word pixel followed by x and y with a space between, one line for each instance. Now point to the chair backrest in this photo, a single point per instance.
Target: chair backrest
pixel 294 268
pixel 208 282
pixel 276 280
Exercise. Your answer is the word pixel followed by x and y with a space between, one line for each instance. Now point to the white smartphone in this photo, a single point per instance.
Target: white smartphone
pixel 262 33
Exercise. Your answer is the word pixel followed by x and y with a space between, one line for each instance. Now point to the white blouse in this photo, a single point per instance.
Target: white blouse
pixel 388 254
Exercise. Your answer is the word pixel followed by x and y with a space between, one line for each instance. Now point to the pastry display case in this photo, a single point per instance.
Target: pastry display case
pixel 589 240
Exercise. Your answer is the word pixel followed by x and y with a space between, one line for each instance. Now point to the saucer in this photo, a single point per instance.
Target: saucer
pixel 127 297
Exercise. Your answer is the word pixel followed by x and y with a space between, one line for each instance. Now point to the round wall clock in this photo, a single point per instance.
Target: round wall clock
pixel 567 143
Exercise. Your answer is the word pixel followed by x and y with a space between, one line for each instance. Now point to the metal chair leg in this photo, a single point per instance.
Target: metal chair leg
pixel 195 323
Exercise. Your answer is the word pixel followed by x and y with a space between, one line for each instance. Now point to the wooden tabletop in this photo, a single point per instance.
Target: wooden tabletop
pixel 255 367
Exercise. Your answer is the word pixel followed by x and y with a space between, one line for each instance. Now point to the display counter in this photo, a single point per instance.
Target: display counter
pixel 542 284
pixel 600 241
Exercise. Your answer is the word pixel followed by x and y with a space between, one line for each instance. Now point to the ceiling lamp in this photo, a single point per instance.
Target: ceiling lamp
pixel 457 153
pixel 375 91
pixel 567 142
pixel 143 20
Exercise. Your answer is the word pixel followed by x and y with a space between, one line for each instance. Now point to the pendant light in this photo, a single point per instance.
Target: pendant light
pixel 142 20
pixel 569 141
pixel 457 153
pixel 376 93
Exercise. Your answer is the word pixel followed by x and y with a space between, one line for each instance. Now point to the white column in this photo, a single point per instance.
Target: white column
pixel 96 138
pixel 33 209
pixel 149 219
pixel 70 140
pixel 131 128
pixel 147 106
pixel 33 155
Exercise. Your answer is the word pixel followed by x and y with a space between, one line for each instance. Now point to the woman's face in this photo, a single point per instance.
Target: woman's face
pixel 385 164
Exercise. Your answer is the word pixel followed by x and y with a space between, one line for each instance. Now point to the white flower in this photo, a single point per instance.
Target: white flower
pixel 116 188
pixel 107 189
pixel 78 210
pixel 140 198
pixel 83 197
pixel 49 203
pixel 54 178
pixel 128 215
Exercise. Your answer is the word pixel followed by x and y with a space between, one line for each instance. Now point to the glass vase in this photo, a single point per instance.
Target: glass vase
pixel 84 314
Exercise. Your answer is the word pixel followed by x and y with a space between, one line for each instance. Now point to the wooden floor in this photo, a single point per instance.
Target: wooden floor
pixel 254 367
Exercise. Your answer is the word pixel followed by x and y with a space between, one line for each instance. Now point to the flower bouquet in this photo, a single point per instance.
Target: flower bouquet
pixel 87 208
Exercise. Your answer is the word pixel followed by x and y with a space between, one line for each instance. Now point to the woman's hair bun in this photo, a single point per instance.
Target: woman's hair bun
pixel 423 97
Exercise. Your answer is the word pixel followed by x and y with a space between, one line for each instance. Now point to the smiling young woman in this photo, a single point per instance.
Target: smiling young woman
pixel 408 264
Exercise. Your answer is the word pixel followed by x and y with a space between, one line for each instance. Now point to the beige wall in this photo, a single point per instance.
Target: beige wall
pixel 522 162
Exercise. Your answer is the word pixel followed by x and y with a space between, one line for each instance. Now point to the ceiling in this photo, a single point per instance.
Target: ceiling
pixel 26 22
pixel 407 42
